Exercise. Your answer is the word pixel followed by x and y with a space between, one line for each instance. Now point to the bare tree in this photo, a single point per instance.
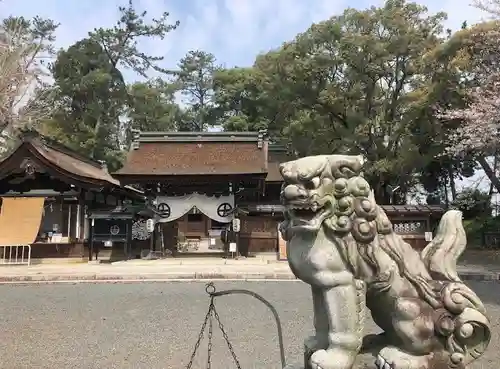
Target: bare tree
pixel 24 47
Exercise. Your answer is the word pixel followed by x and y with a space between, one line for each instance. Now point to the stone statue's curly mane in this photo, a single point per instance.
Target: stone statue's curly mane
pixel 362 227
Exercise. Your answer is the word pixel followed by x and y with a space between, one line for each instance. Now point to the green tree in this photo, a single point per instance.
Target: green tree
pixel 154 107
pixel 90 99
pixel 353 84
pixel 194 76
pixel 91 95
pixel 120 43
pixel 237 99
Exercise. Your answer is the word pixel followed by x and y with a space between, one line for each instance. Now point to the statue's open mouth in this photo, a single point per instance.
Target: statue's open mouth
pixel 307 215
pixel 305 212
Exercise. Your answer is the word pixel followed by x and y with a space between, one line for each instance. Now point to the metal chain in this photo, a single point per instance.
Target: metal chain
pixel 226 338
pixel 201 334
pixel 208 319
pixel 210 333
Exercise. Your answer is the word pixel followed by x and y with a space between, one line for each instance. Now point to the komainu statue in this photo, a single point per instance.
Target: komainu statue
pixel 341 243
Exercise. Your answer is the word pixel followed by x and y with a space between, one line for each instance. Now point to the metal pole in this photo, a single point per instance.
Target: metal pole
pixel 393 191
pixel 210 289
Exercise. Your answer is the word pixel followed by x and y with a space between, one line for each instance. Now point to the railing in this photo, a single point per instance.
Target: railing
pixel 15 255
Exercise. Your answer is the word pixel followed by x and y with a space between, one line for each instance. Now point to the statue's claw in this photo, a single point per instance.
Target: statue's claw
pixel 380 363
pixel 393 358
pixel 334 358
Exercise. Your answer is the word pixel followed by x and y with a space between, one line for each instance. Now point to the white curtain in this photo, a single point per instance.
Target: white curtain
pixel 216 208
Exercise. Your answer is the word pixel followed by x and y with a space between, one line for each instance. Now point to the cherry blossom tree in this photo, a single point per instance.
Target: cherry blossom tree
pixel 477 59
pixel 491 7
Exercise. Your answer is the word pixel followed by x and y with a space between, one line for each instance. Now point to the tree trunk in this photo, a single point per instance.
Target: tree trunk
pixel 495 165
pixel 452 184
pixel 446 198
pixel 489 172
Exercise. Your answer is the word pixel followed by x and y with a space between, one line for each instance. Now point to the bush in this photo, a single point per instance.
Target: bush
pixel 475 229
pixel 474 204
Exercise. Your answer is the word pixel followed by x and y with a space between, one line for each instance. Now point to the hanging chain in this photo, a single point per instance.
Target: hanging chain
pixel 209 319
pixel 201 334
pixel 226 338
pixel 210 333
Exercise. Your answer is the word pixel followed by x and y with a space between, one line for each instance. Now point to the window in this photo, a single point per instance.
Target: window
pixel 195 217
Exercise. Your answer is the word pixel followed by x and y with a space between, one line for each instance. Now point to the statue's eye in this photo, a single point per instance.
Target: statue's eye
pixel 313 183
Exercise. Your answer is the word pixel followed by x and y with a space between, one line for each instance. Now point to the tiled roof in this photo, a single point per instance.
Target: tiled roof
pixel 61 161
pixel 412 209
pixel 71 164
pixel 276 155
pixel 389 209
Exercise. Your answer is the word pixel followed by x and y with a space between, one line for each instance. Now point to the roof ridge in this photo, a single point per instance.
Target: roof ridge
pixel 196 136
pixel 53 144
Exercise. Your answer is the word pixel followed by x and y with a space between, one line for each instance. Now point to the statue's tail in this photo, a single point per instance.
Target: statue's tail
pixel 441 254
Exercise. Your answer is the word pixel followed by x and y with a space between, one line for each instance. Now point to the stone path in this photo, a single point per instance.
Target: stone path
pixel 155 325
pixel 175 269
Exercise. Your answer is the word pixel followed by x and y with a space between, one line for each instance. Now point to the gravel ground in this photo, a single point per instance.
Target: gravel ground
pixel 155 325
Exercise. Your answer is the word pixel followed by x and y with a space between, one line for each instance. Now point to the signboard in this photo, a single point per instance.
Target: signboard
pixel 232 247
pixel 236 224
pixel 110 230
pixel 281 246
pixel 428 236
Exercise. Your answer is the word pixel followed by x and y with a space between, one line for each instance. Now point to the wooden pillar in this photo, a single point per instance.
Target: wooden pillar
pixel 129 239
pixel 91 239
pixel 70 208
pixel 82 216
pixel 80 222
pixel 153 238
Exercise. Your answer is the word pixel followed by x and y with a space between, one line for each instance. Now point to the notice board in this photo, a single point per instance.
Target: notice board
pixel 281 247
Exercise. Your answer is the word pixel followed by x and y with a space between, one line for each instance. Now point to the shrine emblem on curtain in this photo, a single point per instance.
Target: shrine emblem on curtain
pixel 218 208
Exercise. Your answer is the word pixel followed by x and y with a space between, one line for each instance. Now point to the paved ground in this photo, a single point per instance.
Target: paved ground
pixel 155 325
pixel 189 268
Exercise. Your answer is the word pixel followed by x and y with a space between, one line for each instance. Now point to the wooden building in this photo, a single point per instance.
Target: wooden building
pixel 196 181
pixel 47 193
pixel 200 181
pixel 259 229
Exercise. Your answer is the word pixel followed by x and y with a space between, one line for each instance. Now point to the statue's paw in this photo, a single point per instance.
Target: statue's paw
pixel 313 343
pixel 332 359
pixel 394 358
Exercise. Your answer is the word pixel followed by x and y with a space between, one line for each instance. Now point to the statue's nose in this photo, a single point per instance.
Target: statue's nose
pixel 284 170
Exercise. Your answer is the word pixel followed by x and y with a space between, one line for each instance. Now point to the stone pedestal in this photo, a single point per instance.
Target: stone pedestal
pixel 363 361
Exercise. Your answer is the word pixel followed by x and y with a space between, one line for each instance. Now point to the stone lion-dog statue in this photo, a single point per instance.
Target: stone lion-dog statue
pixel 341 243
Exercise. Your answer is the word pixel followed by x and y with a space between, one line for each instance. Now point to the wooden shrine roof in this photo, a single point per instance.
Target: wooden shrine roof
pixel 171 154
pixel 393 210
pixel 276 155
pixel 59 161
pixel 413 209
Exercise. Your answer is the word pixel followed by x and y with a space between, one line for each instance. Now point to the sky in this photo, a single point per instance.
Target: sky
pixel 235 31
